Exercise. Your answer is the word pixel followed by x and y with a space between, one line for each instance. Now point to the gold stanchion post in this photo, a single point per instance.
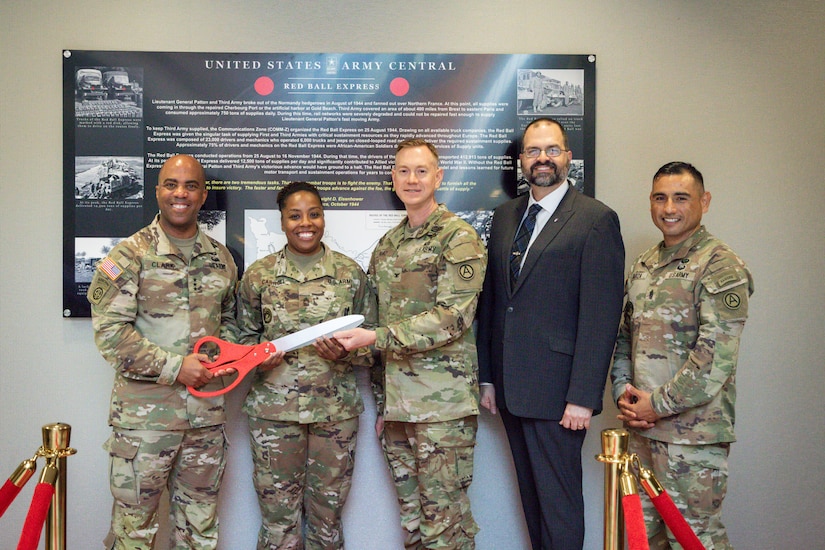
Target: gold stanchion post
pixel 614 454
pixel 56 439
pixel 24 472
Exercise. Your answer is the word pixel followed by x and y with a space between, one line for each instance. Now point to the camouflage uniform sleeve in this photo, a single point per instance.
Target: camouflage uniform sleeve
pixel 364 303
pixel 229 325
pixel 621 373
pixel 250 317
pixel 229 322
pixel 114 308
pixel 377 383
pixel 722 311
pixel 460 278
pixel 370 322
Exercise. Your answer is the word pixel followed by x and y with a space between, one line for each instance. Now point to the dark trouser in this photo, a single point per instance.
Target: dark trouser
pixel 548 465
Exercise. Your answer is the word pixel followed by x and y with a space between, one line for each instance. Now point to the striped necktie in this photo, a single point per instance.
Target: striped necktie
pixel 521 241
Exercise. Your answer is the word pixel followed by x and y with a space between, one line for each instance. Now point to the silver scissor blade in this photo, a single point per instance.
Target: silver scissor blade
pixel 307 336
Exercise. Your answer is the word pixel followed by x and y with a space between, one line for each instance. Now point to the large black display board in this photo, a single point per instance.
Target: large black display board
pixel 258 121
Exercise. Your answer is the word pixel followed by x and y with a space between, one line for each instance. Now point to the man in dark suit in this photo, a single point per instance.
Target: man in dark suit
pixel 548 319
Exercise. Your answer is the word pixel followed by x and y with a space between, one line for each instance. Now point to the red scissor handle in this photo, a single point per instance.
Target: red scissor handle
pixel 242 358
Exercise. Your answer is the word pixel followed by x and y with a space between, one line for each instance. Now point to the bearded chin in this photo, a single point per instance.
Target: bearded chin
pixel 549 179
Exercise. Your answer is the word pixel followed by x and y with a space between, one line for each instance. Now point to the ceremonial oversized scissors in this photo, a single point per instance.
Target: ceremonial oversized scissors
pixel 245 358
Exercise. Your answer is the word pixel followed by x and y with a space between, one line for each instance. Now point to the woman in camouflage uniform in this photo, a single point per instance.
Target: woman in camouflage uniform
pixel 303 406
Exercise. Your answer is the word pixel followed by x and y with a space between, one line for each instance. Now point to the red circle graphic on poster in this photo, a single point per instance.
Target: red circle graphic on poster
pixel 399 86
pixel 264 85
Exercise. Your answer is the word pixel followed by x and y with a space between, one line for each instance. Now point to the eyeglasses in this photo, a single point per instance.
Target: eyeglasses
pixel 535 152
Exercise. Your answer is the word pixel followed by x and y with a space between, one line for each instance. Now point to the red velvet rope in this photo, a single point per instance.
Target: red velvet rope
pixel 7 495
pixel 634 521
pixel 677 524
pixel 39 509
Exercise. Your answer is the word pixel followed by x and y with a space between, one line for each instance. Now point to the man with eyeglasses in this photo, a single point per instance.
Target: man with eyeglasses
pixel 548 316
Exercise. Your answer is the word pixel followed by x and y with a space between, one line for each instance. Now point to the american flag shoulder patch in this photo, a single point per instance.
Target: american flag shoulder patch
pixel 110 268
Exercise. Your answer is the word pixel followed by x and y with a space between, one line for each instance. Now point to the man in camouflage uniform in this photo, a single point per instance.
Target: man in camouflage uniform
pixel 427 272
pixel 152 298
pixel 674 370
pixel 303 406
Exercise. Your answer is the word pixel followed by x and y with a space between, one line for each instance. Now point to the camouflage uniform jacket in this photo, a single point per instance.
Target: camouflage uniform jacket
pixel 149 307
pixel 427 281
pixel 276 298
pixel 679 337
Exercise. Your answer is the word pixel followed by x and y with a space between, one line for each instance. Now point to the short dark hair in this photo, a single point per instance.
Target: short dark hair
pixel 294 187
pixel 678 167
pixel 417 142
pixel 546 120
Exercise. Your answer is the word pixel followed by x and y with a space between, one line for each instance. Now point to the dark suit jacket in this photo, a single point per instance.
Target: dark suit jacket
pixel 549 340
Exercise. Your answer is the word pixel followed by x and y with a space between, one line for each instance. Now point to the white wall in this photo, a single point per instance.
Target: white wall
pixel 737 88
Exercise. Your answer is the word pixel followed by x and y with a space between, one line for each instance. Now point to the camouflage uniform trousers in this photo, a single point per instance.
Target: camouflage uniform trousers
pixel 302 468
pixel 432 467
pixel 190 463
pixel 696 478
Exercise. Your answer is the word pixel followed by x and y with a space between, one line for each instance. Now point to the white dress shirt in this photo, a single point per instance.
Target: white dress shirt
pixel 548 207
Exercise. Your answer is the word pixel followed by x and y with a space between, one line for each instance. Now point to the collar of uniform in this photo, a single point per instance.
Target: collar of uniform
pixel 681 250
pixel 430 225
pixel 324 268
pixel 165 247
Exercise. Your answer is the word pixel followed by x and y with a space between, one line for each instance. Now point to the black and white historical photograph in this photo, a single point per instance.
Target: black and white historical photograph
pixel 108 92
pixel 104 177
pixel 87 252
pixel 551 92
pixel 213 223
